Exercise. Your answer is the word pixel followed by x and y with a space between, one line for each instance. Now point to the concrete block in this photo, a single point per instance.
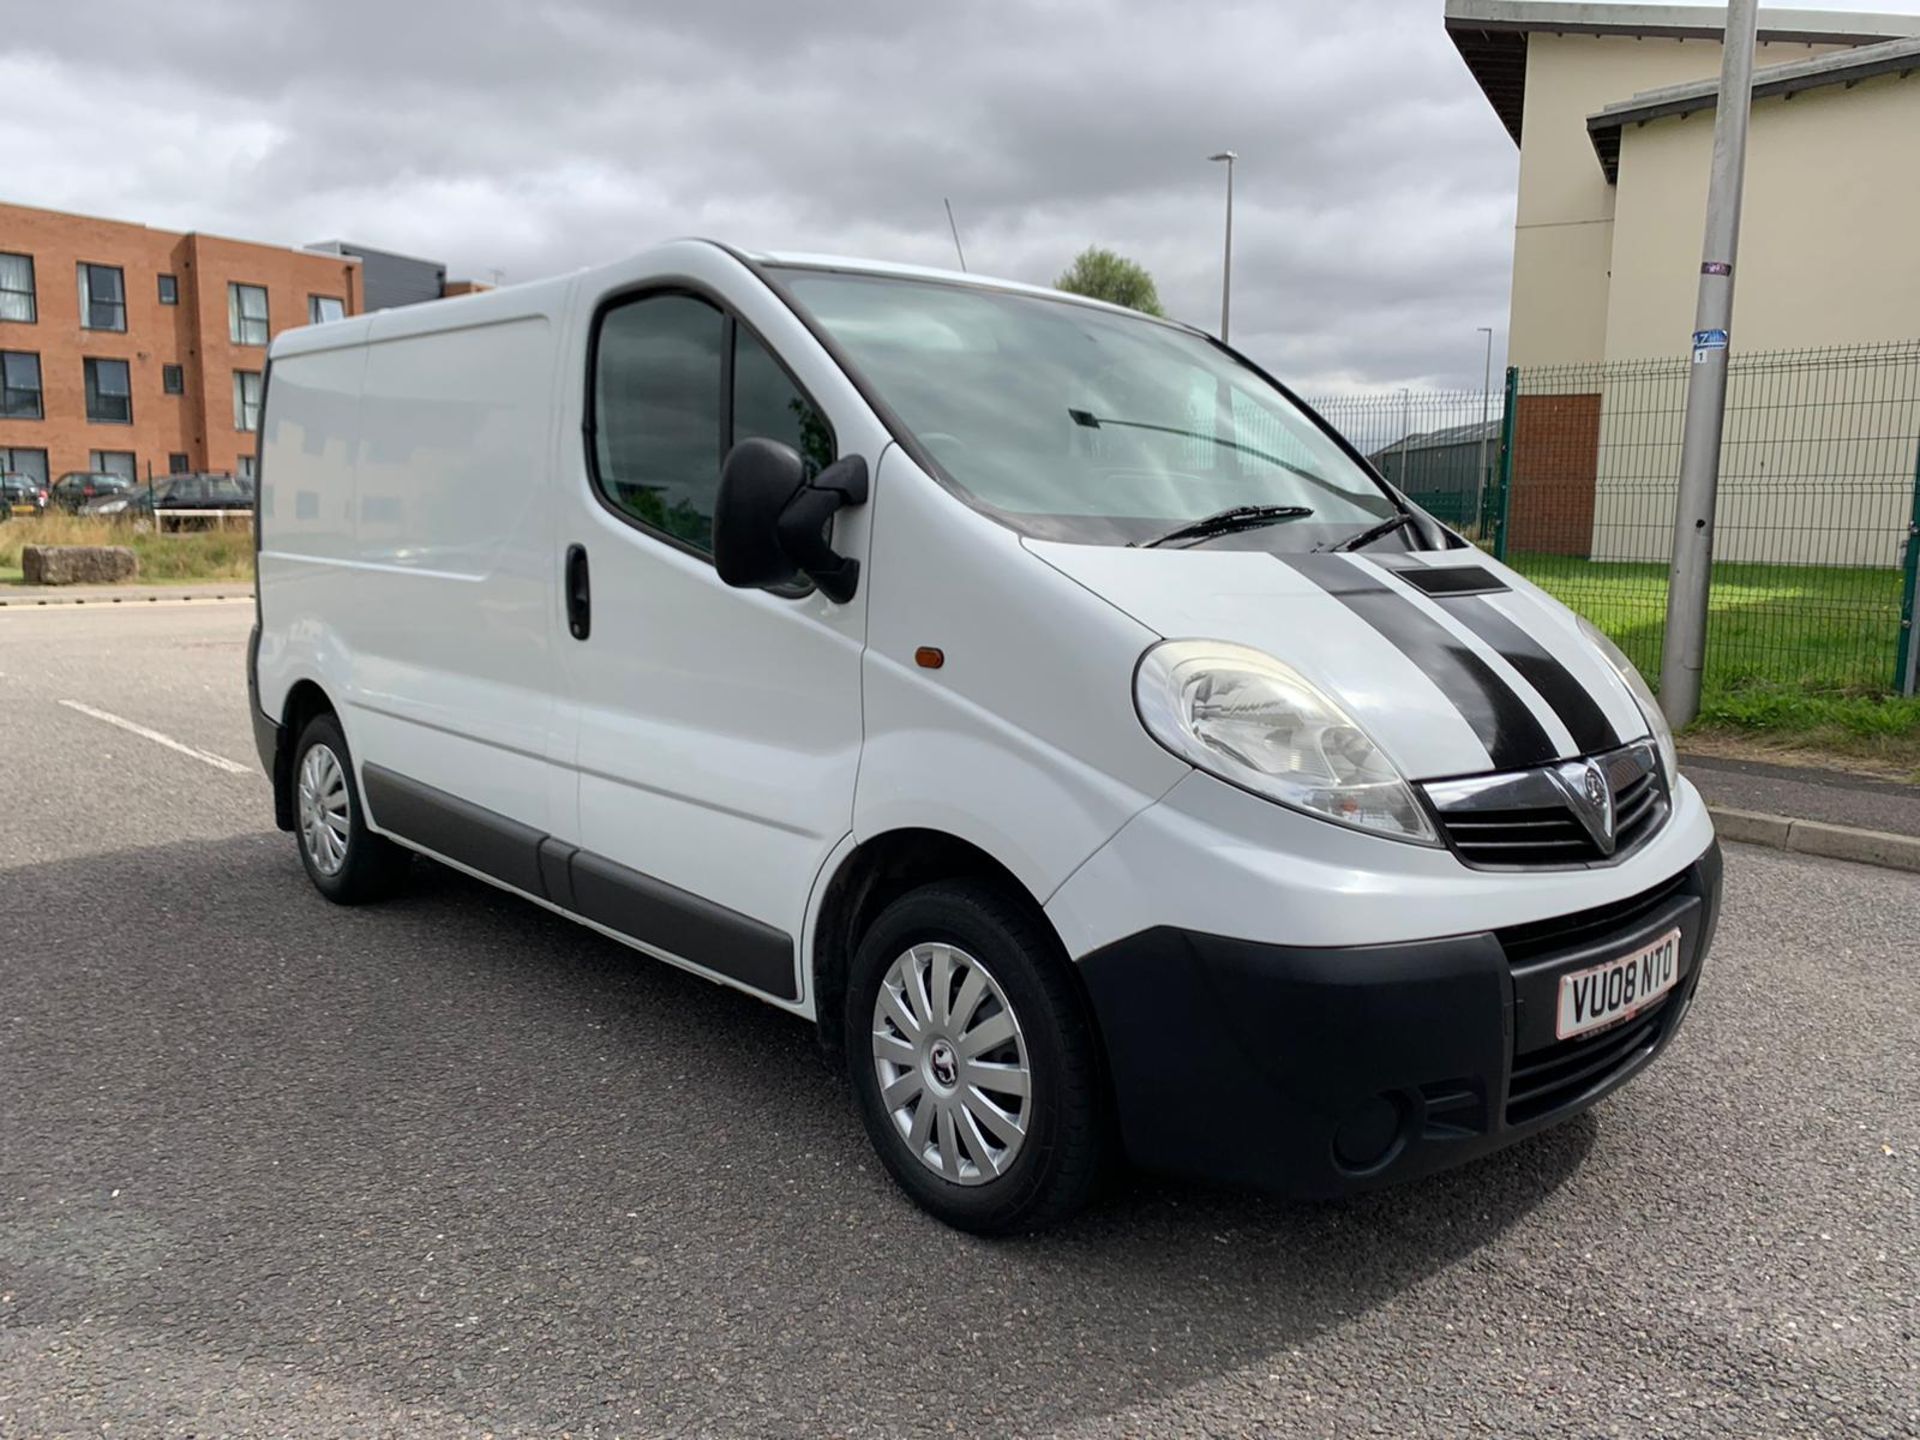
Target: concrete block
pixel 77 564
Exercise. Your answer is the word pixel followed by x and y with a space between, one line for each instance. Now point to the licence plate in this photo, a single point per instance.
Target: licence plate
pixel 1618 990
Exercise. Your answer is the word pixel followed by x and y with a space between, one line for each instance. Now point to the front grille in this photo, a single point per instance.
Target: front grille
pixel 1526 819
pixel 1535 835
pixel 1549 1079
pixel 1566 933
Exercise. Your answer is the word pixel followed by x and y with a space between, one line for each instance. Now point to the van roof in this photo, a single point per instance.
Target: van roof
pixel 849 265
pixel 536 296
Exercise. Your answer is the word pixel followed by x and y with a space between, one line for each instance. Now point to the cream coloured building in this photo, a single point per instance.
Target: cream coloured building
pixel 1612 106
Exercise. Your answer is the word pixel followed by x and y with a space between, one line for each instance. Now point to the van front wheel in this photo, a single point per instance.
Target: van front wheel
pixel 974 1061
pixel 346 861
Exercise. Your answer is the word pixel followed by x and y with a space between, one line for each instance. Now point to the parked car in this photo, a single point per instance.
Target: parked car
pixel 76 488
pixel 174 493
pixel 1037 697
pixel 20 494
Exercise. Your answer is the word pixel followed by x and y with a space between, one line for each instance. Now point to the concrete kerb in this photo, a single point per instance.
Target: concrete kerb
pixel 23 597
pixel 1814 837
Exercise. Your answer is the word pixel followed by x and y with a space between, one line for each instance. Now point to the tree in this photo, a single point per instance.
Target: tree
pixel 1103 275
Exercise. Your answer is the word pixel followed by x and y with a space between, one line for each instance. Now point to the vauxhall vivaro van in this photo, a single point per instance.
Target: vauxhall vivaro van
pixel 1033 694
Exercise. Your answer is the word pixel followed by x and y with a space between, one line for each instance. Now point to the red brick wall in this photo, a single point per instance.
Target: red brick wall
pixel 193 334
pixel 1556 461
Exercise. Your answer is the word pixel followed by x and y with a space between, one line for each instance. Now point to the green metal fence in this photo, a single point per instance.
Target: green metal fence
pixel 1440 446
pixel 1817 529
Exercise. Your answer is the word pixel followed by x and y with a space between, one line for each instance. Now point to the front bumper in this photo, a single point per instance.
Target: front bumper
pixel 1317 1072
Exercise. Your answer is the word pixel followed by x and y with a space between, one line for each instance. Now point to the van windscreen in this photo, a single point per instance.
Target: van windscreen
pixel 1072 422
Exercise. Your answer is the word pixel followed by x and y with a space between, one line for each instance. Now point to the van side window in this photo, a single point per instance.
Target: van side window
pixel 662 418
pixel 767 405
pixel 656 404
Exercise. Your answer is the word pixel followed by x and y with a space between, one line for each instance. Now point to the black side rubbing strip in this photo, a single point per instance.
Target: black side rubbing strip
pixel 555 858
pixel 1588 724
pixel 684 924
pixel 590 886
pixel 455 828
pixel 1514 739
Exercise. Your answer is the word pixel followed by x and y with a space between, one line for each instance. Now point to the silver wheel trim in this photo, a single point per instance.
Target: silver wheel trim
pixel 324 812
pixel 951 1060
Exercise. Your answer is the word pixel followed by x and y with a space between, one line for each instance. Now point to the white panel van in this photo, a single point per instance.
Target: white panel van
pixel 1034 695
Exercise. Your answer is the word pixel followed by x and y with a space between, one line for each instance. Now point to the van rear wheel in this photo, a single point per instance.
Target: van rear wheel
pixel 347 862
pixel 974 1061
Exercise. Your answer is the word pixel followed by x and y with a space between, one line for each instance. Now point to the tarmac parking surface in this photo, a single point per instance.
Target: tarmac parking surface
pixel 451 1165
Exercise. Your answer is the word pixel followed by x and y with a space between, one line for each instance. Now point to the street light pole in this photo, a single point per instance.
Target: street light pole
pixel 1226 267
pixel 1486 389
pixel 1691 581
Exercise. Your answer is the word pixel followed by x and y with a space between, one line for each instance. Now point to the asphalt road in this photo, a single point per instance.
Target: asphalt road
pixel 452 1166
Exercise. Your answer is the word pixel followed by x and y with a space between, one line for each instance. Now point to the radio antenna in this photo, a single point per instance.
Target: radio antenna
pixel 956 232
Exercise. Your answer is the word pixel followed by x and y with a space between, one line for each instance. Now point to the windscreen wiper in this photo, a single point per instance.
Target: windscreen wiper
pixel 1225 522
pixel 1087 420
pixel 1373 532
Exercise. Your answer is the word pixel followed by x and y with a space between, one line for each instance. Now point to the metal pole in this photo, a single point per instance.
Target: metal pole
pixel 1406 434
pixel 1226 268
pixel 1906 667
pixel 956 232
pixel 1503 488
pixel 1691 581
pixel 1486 386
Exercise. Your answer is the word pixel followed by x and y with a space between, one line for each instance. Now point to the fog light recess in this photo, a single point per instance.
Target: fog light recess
pixel 1372 1132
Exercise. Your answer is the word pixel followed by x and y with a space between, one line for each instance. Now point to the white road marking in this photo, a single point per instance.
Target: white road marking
pixel 206 757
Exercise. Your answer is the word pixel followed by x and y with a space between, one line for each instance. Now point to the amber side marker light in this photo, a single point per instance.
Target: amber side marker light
pixel 929 657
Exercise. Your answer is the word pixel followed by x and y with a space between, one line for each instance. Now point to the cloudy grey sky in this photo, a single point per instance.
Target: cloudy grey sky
pixel 1374 204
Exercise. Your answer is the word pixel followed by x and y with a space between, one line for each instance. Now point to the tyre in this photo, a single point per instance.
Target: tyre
pixel 974 1060
pixel 346 861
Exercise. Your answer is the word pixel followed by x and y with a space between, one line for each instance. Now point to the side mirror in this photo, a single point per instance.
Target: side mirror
pixel 771 524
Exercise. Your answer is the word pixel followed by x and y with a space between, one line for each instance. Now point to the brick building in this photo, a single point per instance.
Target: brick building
pixel 125 348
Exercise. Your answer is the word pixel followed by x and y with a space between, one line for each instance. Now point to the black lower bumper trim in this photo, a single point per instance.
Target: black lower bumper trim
pixel 267 739
pixel 1319 1072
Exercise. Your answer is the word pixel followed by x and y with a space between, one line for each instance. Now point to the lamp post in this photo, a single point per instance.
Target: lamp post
pixel 1226 264
pixel 1486 389
pixel 1684 654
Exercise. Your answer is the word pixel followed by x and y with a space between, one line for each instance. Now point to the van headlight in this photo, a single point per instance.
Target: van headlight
pixel 1245 717
pixel 1642 694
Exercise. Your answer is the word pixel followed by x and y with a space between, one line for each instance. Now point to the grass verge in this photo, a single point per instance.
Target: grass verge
pixel 1880 735
pixel 1814 629
pixel 194 555
pixel 1799 657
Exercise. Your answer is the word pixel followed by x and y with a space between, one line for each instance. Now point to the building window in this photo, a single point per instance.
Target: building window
pixel 103 297
pixel 109 392
pixel 178 464
pixel 249 467
pixel 169 290
pixel 173 379
pixel 113 462
pixel 246 400
pixel 247 314
pixel 322 308
pixel 20 386
pixel 16 289
pixel 31 463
